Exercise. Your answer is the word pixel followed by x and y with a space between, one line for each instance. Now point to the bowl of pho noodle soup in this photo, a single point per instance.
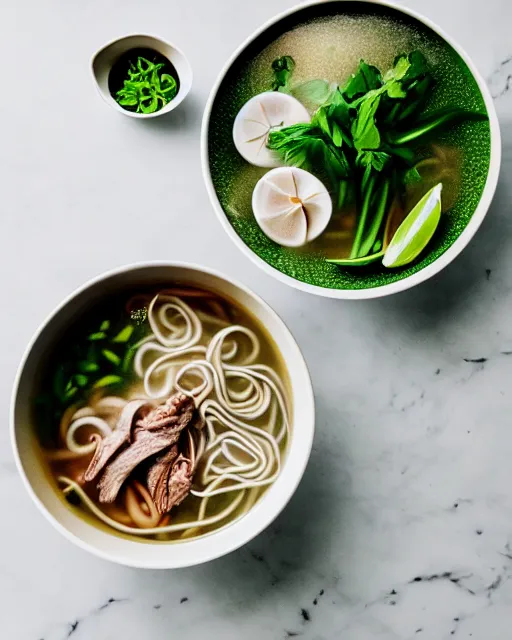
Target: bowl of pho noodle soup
pixel 384 109
pixel 162 416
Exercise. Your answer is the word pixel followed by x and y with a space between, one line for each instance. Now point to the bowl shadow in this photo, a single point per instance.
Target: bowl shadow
pixel 443 296
pixel 186 117
pixel 290 547
pixel 293 546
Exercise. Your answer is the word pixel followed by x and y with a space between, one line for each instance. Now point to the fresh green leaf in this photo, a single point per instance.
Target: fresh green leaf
pixel 395 90
pixel 418 66
pixel 340 110
pixel 283 68
pixel 307 146
pixel 415 232
pixel 400 68
pixel 105 325
pixel 337 134
pixel 412 176
pixel 366 78
pixel 375 159
pixel 364 129
pixel 320 120
pixel 434 123
pixel 312 93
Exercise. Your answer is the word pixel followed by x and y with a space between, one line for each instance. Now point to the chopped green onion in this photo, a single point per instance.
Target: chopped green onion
pixel 81 380
pixel 99 335
pixel 107 381
pixel 86 366
pixel 111 357
pixel 125 334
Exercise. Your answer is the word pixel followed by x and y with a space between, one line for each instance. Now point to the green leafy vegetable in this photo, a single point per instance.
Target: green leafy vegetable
pixel 312 93
pixel 147 88
pixel 363 140
pixel 368 192
pixel 434 123
pixel 364 128
pixel 283 68
pixel 366 78
pixel 380 211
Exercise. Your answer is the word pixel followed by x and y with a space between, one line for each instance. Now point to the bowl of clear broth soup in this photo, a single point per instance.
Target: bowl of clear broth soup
pixel 162 416
pixel 351 149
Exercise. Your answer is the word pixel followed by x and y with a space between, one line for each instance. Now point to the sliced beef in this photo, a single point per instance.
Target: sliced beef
pixel 107 447
pixel 160 468
pixel 169 481
pixel 176 413
pixel 160 429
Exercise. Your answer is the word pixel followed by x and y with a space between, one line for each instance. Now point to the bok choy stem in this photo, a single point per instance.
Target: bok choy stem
pixel 362 217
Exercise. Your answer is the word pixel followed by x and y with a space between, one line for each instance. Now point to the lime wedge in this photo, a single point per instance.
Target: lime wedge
pixel 415 232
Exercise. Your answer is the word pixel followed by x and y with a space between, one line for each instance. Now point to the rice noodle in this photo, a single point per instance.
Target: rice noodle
pixel 70 484
pixel 85 421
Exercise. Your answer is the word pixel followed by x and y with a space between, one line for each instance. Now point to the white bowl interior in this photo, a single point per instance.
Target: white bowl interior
pixel 104 59
pixel 130 551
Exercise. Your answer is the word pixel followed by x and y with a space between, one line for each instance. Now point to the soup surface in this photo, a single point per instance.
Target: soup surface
pixel 328 41
pixel 164 413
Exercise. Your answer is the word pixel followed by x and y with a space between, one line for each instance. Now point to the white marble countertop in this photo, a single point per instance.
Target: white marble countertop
pixel 402 526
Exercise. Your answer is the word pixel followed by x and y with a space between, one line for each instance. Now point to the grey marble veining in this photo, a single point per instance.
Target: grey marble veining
pixel 402 526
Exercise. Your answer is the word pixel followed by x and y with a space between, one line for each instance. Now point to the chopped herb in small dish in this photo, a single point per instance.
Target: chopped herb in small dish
pixel 143 81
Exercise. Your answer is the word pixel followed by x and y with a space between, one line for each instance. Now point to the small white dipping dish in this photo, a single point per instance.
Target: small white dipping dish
pixel 137 552
pixel 103 61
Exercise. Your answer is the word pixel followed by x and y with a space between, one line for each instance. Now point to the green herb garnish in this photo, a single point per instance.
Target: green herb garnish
pixel 147 89
pixel 100 358
pixel 364 139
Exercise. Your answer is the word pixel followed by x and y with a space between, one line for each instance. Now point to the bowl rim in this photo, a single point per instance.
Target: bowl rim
pixel 248 526
pixel 170 106
pixel 445 258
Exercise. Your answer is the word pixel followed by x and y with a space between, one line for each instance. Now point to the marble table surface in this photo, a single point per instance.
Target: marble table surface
pixel 402 526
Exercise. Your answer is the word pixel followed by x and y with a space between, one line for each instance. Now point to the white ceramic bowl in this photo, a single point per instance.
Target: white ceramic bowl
pixel 103 60
pixel 427 272
pixel 132 552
